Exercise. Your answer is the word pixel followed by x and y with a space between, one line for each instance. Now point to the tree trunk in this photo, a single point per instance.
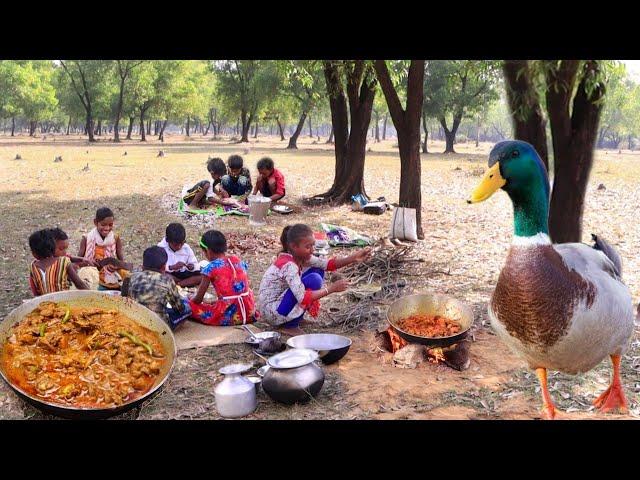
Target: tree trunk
pixel 142 129
pixel 130 128
pixel 68 125
pixel 426 133
pixel 281 130
pixel 245 117
pixel 330 139
pixel 188 125
pixel 350 143
pixel 13 126
pixel 450 135
pixel 99 128
pixel 384 126
pixel 161 135
pixel 255 132
pixel 148 127
pixel 89 127
pixel 574 139
pixel 310 130
pixel 529 124
pixel 293 139
pixel 407 124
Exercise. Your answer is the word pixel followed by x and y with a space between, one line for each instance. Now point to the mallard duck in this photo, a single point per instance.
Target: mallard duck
pixel 561 307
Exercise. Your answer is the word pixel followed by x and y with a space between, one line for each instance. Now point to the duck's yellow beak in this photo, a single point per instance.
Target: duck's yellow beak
pixel 491 182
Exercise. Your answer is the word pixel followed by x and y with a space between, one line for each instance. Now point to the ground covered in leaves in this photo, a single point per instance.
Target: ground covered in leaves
pixel 461 256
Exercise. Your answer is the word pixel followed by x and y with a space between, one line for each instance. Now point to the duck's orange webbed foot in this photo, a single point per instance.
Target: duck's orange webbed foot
pixel 613 399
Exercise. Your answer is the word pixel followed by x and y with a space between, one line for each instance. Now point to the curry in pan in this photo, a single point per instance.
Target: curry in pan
pixel 82 357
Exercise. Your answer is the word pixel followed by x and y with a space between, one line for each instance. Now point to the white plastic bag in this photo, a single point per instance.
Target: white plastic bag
pixel 404 224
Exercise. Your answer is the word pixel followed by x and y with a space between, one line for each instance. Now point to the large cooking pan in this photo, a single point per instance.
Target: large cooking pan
pixel 431 304
pixel 94 299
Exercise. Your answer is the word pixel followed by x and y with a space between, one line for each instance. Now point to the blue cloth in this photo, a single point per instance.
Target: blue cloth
pixel 175 317
pixel 236 186
pixel 312 279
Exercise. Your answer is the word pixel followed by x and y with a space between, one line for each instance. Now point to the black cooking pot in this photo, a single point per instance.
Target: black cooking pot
pixel 431 304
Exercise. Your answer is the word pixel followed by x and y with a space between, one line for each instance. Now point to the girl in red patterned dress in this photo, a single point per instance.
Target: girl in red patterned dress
pixel 228 276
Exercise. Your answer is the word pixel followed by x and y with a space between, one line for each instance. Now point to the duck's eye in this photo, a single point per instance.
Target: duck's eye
pixel 515 153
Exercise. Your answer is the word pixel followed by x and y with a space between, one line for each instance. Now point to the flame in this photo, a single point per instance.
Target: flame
pixel 436 355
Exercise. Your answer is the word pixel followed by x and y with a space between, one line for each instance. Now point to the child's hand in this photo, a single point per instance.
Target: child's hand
pixel 338 286
pixel 177 266
pixel 190 266
pixel 362 255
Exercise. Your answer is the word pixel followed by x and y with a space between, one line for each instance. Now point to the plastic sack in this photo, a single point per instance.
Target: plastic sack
pixel 344 236
pixel 404 224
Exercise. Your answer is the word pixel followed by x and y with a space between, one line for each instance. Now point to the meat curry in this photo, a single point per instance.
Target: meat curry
pixel 82 357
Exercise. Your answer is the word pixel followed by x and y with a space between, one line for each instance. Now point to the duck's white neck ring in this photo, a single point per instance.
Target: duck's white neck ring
pixel 535 240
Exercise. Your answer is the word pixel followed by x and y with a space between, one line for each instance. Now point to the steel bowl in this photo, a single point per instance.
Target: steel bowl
pixel 330 347
pixel 94 299
pixel 431 304
pixel 263 370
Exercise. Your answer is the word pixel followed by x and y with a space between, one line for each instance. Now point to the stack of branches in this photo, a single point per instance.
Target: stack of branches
pixel 386 264
pixel 364 305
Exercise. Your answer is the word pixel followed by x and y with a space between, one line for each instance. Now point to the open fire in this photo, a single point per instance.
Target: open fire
pixel 455 356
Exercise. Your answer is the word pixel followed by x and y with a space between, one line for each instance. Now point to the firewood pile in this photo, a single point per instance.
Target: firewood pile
pixel 386 264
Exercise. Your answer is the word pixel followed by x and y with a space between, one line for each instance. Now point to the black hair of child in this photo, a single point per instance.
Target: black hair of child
pixel 235 162
pixel 42 244
pixel 58 234
pixel 283 238
pixel 215 241
pixel 102 213
pixel 175 233
pixel 154 258
pixel 265 164
pixel 217 166
pixel 297 232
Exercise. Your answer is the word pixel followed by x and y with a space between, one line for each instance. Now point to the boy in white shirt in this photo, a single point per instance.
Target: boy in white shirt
pixel 182 263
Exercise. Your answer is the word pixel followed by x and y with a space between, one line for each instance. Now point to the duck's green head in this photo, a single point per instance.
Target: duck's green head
pixel 516 167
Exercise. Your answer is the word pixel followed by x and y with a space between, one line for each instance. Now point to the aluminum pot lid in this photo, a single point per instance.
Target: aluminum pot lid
pixel 296 357
pixel 235 368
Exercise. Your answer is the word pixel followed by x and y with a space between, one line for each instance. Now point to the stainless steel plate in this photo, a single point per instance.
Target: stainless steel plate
pixel 294 358
pixel 261 336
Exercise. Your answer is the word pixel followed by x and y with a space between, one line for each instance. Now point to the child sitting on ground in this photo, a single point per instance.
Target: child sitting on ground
pixel 155 290
pixel 270 182
pixel 104 247
pixel 182 264
pixel 62 247
pixel 293 284
pixel 48 272
pixel 228 276
pixel 205 193
pixel 238 179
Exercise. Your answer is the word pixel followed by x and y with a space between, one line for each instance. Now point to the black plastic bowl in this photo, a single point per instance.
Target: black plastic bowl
pixel 330 347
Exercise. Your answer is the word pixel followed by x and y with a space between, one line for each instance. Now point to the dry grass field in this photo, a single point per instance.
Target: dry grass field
pixel 463 252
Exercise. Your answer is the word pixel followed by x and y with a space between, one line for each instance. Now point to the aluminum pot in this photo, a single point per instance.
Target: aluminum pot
pixel 293 376
pixel 235 394
pixel 94 299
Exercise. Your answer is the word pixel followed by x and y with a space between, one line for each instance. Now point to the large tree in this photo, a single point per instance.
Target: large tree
pixel 407 123
pixel 304 83
pixel 573 92
pixel 351 87
pixel 89 79
pixel 458 89
pixel 246 85
pixel 124 68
